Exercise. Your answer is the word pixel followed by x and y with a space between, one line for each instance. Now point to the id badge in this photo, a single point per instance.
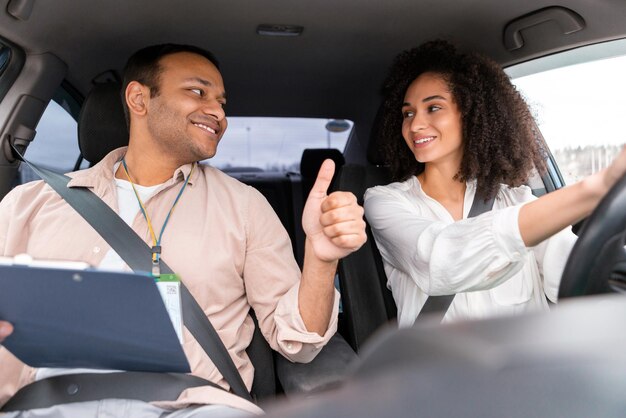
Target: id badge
pixel 169 288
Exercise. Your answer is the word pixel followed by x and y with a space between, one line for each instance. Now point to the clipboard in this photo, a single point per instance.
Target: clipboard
pixel 89 318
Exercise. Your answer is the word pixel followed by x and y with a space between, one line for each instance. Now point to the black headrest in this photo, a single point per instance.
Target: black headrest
pixel 373 146
pixel 312 159
pixel 101 123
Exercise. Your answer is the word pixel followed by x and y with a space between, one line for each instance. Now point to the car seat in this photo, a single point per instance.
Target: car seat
pixel 367 302
pixel 310 163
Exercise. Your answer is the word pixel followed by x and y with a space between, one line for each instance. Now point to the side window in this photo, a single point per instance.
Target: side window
pixel 580 106
pixel 5 54
pixel 8 59
pixel 56 143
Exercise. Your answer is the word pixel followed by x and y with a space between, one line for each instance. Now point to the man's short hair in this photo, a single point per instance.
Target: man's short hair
pixel 144 67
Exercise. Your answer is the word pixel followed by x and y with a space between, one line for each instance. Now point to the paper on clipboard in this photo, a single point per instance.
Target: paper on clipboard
pixel 88 319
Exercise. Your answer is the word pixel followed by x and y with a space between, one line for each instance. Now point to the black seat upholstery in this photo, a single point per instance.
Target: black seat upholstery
pixel 367 302
pixel 310 163
pixel 101 123
pixel 288 192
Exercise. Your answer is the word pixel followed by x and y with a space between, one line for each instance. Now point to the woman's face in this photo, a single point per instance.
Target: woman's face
pixel 432 126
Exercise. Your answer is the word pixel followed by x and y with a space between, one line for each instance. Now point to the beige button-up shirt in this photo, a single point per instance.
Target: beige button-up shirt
pixel 223 239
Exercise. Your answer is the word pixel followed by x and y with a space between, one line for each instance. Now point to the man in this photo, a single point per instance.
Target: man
pixel 223 239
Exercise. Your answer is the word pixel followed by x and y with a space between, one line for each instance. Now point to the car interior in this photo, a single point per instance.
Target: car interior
pixel 328 60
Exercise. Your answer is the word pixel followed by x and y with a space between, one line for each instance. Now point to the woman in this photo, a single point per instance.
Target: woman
pixel 455 129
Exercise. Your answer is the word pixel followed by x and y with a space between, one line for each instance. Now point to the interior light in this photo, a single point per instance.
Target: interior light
pixel 279 30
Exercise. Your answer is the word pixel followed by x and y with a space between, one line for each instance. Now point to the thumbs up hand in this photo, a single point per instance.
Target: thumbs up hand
pixel 333 223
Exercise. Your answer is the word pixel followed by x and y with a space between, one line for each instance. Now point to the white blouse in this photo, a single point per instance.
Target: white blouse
pixel 482 260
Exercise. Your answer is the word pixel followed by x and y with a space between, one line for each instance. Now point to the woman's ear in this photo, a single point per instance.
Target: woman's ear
pixel 136 96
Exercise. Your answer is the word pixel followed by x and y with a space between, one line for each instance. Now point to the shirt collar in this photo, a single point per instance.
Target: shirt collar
pixel 104 171
pixel 181 173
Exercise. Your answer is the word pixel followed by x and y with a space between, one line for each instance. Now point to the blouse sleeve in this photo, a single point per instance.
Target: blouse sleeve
pixel 445 258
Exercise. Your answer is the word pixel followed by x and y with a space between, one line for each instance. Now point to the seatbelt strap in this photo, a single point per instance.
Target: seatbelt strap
pixel 138 255
pixel 439 305
pixel 87 387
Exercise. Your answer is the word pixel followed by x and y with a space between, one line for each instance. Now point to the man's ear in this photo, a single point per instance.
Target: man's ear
pixel 136 96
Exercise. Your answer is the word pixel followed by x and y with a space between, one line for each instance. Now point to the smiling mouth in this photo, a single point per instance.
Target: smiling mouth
pixel 205 127
pixel 424 140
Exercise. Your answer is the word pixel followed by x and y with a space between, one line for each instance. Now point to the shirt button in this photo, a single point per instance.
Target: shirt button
pixel 96 250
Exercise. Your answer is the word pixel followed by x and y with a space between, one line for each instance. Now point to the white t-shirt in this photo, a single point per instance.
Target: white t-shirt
pixel 482 260
pixel 128 210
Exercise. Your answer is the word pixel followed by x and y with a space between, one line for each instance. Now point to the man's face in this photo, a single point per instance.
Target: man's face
pixel 186 119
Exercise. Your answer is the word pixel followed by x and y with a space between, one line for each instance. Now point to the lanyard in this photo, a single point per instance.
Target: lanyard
pixel 156 242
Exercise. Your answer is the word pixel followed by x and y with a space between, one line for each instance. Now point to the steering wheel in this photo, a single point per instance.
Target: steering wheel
pixel 597 263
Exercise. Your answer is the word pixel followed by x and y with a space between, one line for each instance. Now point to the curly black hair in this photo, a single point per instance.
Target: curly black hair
pixel 500 138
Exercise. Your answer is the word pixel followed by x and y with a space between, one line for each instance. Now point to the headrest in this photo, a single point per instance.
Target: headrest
pixel 373 146
pixel 101 123
pixel 312 159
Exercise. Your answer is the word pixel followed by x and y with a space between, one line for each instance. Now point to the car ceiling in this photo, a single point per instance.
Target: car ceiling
pixel 334 69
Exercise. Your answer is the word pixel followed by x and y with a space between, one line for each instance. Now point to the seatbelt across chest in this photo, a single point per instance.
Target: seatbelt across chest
pixel 439 305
